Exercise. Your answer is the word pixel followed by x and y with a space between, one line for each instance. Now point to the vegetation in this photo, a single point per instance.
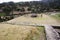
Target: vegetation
pixel 7 10
pixel 35 35
pixel 2 14
pixel 29 9
pixel 35 6
pixel 56 16
pixel 15 32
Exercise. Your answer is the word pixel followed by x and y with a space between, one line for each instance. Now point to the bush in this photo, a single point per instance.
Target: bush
pixel 29 9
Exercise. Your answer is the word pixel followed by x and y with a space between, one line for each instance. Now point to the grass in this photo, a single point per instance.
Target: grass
pixel 35 35
pixel 2 14
pixel 57 16
pixel 15 32
pixel 40 18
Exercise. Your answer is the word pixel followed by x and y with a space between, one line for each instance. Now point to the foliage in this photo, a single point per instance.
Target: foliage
pixel 39 6
pixel 7 10
pixel 29 9
pixel 22 9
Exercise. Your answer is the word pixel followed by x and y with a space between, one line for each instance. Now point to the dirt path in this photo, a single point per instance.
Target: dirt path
pixel 28 20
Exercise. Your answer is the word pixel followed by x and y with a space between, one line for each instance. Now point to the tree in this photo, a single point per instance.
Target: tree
pixel 12 6
pixel 7 10
pixel 18 9
pixel 29 9
pixel 22 9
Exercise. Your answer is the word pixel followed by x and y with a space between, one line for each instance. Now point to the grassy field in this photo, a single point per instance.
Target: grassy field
pixel 57 16
pixel 2 14
pixel 19 32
